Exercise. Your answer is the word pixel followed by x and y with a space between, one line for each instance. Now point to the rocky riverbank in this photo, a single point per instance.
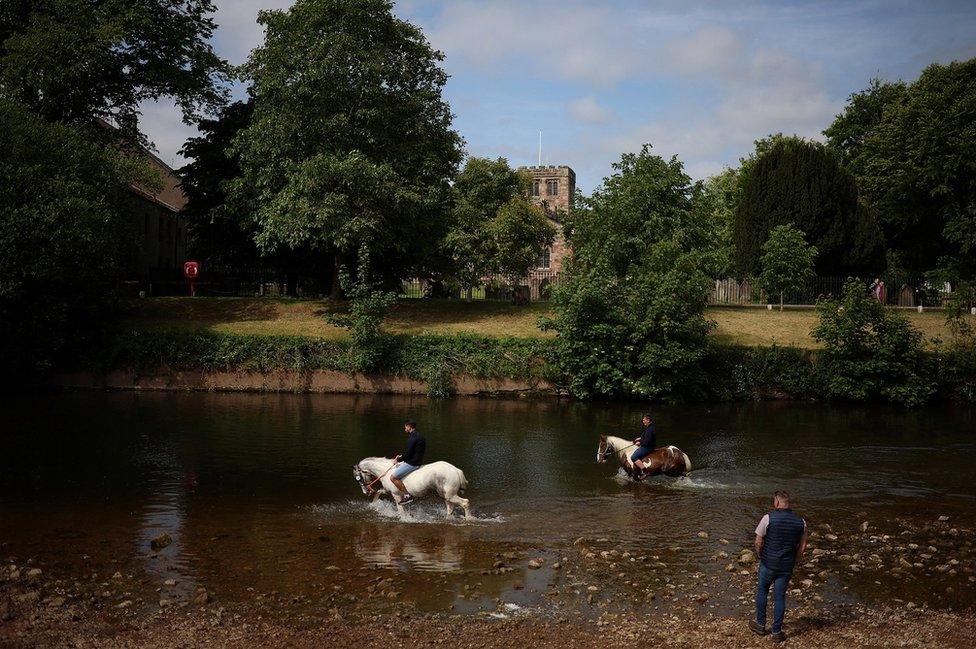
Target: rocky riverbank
pixel 891 583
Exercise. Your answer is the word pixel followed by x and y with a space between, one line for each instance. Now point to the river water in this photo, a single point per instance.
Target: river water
pixel 257 493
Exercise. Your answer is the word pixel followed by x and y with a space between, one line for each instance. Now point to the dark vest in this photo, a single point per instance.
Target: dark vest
pixel 782 538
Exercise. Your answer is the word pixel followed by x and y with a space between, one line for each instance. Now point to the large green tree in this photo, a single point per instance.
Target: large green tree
pixel 64 231
pixel 913 150
pixel 217 234
pixel 78 61
pixel 801 183
pixel 351 141
pixel 629 315
pixel 494 227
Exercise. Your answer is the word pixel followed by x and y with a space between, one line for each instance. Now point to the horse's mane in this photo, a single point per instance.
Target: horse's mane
pixel 618 443
pixel 375 460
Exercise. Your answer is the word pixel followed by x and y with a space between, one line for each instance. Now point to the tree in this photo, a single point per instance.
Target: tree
pixel 629 316
pixel 915 163
pixel 787 262
pixel 800 183
pixel 217 234
pixel 351 142
pixel 495 229
pixel 63 239
pixel 79 61
pixel 869 351
pixel 717 199
pixel 519 234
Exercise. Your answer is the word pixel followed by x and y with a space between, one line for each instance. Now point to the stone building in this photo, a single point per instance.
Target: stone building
pixel 158 219
pixel 553 188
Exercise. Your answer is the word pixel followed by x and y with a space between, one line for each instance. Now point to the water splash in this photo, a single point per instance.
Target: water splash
pixel 415 513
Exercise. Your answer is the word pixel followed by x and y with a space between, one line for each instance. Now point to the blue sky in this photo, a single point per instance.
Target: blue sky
pixel 700 80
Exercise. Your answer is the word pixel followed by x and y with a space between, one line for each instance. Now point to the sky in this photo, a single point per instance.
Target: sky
pixel 599 78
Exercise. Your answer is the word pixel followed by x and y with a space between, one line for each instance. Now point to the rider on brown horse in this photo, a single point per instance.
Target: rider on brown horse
pixel 646 444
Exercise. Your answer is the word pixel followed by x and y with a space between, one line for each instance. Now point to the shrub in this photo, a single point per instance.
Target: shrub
pixel 870 352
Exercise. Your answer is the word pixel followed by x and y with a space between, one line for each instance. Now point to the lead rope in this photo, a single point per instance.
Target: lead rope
pixel 379 477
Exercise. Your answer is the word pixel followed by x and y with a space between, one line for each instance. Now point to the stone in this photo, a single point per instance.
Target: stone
pixel 703 535
pixel 747 557
pixel 943 519
pixel 161 542
pixel 593 589
pixel 169 582
pixel 723 541
pixel 830 537
pixel 535 564
pixel 806 583
pixel 202 597
pixel 117 576
pixel 33 573
pixel 864 526
pixel 557 566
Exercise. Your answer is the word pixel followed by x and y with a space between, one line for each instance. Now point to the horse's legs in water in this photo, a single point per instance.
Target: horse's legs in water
pixel 464 503
pixel 375 497
pixel 450 508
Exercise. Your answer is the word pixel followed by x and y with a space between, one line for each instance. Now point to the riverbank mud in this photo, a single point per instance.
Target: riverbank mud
pixel 311 381
pixel 588 594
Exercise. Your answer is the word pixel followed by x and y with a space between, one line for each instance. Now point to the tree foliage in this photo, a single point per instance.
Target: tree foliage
pixel 216 234
pixel 717 200
pixel 629 314
pixel 495 229
pixel 78 61
pixel 870 352
pixel 63 238
pixel 787 262
pixel 351 142
pixel 913 150
pixel 800 183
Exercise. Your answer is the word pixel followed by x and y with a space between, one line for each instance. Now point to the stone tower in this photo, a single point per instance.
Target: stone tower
pixel 553 187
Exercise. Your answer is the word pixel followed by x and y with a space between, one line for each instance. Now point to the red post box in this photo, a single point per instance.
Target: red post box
pixel 191 271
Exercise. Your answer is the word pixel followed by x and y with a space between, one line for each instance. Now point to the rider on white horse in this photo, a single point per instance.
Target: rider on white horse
pixel 411 459
pixel 646 443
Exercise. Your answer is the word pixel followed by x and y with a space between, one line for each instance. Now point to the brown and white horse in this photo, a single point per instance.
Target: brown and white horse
pixel 669 460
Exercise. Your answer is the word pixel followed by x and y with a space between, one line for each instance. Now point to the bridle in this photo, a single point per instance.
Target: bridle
pixel 368 487
pixel 602 456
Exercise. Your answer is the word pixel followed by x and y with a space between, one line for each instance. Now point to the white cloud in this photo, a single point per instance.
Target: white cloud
pixel 587 110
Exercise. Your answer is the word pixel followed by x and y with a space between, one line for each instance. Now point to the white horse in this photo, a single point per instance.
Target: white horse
pixel 373 476
pixel 669 460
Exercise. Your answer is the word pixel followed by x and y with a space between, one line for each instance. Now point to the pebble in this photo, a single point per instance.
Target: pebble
pixel 535 563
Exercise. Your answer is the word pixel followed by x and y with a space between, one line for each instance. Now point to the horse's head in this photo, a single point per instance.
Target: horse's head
pixel 362 477
pixel 604 450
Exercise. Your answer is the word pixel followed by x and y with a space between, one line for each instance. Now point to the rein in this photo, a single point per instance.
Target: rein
pixel 369 487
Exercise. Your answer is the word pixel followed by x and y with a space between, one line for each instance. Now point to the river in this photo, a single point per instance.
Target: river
pixel 256 491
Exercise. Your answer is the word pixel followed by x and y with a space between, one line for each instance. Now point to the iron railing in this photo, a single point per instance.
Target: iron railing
pixel 910 292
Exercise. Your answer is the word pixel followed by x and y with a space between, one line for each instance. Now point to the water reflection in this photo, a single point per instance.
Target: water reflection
pixel 256 494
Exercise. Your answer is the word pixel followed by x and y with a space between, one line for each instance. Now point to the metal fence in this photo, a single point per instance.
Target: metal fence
pixel 537 286
pixel 912 292
pixel 232 282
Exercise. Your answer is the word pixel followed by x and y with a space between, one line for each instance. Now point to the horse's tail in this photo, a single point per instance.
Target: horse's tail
pixel 464 481
pixel 687 462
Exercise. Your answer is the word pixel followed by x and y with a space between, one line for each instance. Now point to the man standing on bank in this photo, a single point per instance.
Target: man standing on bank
pixel 411 459
pixel 781 537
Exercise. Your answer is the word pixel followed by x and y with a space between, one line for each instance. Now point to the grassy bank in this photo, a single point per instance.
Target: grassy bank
pixel 306 318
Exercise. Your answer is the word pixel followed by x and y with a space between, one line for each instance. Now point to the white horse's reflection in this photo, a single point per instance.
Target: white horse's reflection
pixel 409 548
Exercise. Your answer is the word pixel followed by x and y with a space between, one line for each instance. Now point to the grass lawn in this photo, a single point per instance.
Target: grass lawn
pixel 307 318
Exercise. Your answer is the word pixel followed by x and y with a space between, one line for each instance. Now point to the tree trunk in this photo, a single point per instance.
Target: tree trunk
pixel 336 291
pixel 781 301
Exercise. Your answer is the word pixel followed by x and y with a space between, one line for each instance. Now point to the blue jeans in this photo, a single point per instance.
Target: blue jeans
pixel 779 581
pixel 403 470
pixel 640 453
